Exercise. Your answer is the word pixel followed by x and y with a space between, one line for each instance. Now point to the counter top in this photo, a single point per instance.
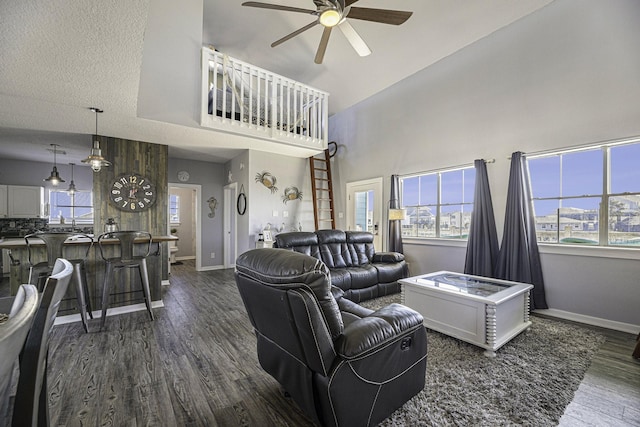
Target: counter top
pixel 20 242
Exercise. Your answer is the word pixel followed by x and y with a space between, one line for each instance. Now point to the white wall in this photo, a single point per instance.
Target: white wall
pixel 565 75
pixel 289 172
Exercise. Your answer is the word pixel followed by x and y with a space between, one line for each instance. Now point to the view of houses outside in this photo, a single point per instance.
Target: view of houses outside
pixel 568 190
pixel 438 204
pixel 65 208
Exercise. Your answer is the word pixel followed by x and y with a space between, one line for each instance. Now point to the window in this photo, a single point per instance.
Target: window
pixel 174 208
pixel 65 208
pixel 589 196
pixel 438 204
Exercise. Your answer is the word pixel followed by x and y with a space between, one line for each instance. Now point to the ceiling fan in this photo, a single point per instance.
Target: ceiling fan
pixel 334 13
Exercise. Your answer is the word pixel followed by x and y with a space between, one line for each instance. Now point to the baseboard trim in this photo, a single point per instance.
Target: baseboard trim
pixel 165 283
pixel 71 318
pixel 589 320
pixel 211 267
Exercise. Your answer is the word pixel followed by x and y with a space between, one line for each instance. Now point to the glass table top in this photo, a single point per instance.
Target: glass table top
pixel 463 284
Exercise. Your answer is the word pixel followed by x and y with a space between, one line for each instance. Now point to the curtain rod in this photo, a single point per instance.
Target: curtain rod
pixel 586 146
pixel 447 169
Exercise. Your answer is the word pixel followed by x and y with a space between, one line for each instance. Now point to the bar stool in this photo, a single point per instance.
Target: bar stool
pixel 126 259
pixel 38 272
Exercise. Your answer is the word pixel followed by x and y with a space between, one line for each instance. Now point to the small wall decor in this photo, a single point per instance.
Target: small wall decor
pixel 241 204
pixel 213 204
pixel 265 178
pixel 291 193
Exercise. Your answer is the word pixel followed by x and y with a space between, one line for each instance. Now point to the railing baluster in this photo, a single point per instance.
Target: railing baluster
pixel 268 105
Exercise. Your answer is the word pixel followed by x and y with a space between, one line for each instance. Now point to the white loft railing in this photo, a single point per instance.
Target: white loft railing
pixel 243 99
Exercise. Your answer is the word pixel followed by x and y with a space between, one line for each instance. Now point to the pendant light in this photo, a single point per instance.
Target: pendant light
pixel 54 178
pixel 95 159
pixel 72 185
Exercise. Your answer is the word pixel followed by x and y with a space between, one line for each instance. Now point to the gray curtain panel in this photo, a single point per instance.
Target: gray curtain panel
pixel 482 245
pixel 519 259
pixel 395 227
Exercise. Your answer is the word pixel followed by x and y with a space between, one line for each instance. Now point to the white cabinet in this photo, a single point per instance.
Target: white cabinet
pixel 24 201
pixel 3 201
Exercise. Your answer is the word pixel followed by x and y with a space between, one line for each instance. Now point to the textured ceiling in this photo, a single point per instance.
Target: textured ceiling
pixel 60 57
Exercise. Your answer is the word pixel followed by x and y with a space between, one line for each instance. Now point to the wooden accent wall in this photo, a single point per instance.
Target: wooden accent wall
pixel 126 156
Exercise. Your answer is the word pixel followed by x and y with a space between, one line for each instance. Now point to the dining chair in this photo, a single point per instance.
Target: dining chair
pixel 31 407
pixel 125 257
pixel 21 308
pixel 55 247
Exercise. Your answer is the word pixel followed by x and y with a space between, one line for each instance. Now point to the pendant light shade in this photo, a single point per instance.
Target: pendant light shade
pixel 72 185
pixel 95 159
pixel 54 178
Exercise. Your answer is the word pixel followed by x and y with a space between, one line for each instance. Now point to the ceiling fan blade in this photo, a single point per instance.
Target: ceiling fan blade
pixel 354 38
pixel 383 16
pixel 278 7
pixel 295 33
pixel 322 47
pixel 348 3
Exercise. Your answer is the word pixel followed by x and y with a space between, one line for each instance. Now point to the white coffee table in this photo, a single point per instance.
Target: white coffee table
pixel 482 311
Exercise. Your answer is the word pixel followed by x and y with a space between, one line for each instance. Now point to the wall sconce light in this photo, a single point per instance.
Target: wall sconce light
pixel 72 185
pixel 95 159
pixel 54 178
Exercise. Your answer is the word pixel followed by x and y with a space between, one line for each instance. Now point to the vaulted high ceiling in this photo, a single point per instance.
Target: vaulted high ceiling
pixel 60 57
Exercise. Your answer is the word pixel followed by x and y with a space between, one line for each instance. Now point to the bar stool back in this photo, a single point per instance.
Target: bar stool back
pixel 38 272
pixel 125 258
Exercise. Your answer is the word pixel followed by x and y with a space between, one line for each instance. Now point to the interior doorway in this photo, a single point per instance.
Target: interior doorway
pixel 230 225
pixel 184 218
pixel 364 208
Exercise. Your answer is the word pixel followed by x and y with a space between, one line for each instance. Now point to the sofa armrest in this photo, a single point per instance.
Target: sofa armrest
pixel 374 331
pixel 388 257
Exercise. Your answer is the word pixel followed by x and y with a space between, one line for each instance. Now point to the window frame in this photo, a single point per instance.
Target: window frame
pixel 438 205
pixel 605 195
pixel 177 209
pixel 73 219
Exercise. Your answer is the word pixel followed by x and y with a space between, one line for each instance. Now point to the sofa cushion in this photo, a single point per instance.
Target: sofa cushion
pixel 391 272
pixel 333 248
pixel 341 278
pixel 299 241
pixel 363 276
pixel 360 244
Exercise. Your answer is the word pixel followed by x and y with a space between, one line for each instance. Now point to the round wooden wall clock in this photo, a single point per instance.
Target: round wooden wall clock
pixel 132 192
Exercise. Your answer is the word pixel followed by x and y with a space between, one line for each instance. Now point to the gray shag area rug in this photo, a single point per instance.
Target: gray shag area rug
pixel 529 383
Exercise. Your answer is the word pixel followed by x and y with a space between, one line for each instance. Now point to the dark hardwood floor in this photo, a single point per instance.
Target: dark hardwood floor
pixel 196 365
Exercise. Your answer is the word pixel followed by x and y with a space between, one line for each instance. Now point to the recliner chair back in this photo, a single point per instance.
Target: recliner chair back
pixel 296 318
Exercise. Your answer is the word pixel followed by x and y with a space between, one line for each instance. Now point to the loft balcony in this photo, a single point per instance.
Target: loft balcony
pixel 246 100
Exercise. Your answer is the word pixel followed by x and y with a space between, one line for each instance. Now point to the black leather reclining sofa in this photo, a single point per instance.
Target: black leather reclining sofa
pixel 355 266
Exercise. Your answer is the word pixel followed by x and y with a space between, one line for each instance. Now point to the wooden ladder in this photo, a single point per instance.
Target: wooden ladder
pixel 322 188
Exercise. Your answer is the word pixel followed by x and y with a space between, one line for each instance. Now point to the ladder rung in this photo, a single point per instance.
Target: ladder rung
pixel 322 189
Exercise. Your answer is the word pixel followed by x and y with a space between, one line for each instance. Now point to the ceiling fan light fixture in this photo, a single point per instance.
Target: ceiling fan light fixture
pixel 330 17
pixel 95 159
pixel 54 178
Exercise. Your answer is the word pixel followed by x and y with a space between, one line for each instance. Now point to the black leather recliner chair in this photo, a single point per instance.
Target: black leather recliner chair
pixel 343 364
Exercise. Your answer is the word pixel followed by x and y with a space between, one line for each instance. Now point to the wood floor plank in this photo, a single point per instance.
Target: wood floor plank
pixel 196 365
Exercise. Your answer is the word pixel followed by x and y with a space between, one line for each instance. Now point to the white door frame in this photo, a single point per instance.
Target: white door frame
pixel 374 184
pixel 230 225
pixel 197 214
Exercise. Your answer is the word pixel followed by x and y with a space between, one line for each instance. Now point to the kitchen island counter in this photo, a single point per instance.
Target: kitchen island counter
pixel 128 289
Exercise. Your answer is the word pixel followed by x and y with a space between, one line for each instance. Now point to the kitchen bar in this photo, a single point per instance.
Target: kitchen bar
pixel 129 288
